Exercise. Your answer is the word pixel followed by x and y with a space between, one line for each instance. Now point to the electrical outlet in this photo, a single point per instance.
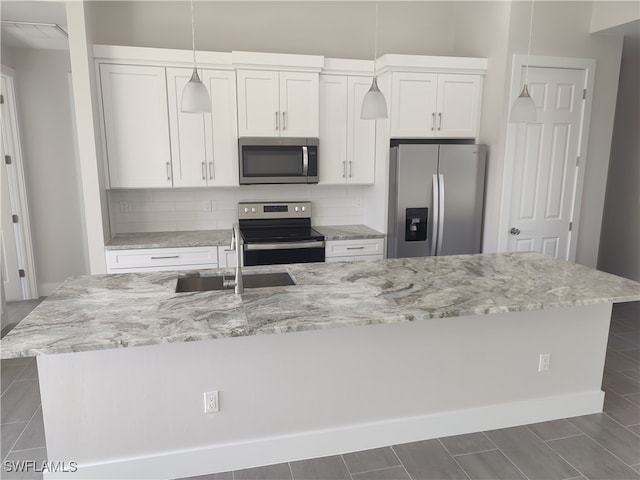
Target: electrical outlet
pixel 124 206
pixel 206 205
pixel 544 362
pixel 211 402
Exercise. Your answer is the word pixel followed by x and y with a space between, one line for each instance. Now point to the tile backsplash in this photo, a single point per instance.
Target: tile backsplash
pixel 213 209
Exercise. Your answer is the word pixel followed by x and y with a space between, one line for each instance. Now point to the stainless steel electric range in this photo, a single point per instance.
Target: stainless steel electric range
pixel 279 232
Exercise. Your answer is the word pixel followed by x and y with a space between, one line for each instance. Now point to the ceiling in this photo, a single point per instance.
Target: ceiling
pixel 40 35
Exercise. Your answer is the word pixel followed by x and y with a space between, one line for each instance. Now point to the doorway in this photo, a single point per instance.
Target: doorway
pixel 18 270
pixel 544 171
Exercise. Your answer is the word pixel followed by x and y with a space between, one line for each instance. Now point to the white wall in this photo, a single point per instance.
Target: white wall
pixel 620 237
pixel 42 86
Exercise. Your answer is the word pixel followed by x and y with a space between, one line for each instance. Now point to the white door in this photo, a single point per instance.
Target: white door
pixel 9 252
pixel 458 105
pixel 361 135
pixel 258 103
pixel 136 124
pixel 545 164
pixel 189 162
pixel 413 104
pixel 221 128
pixel 299 104
pixel 333 129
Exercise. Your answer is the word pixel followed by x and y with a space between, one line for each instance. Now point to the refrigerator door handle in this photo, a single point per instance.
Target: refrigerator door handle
pixel 434 214
pixel 440 213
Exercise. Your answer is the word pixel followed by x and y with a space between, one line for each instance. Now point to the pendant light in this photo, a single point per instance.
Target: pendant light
pixel 523 109
pixel 195 97
pixel 374 106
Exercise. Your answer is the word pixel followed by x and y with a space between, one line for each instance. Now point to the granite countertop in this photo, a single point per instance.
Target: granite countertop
pixel 207 238
pixel 127 310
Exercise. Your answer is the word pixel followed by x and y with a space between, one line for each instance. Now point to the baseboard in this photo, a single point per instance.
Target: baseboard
pixel 303 445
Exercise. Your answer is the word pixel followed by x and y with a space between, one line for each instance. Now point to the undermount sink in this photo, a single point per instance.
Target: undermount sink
pixel 216 282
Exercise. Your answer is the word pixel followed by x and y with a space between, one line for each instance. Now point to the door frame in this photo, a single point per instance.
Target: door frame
pixel 535 61
pixel 18 190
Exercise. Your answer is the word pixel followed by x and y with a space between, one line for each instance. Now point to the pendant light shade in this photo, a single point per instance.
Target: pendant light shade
pixel 195 97
pixel 374 105
pixel 523 109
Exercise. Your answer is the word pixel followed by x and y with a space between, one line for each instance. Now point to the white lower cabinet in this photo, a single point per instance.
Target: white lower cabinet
pixel 226 257
pixel 159 259
pixel 354 250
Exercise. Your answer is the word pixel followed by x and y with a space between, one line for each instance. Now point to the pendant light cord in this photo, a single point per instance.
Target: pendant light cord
pixel 375 38
pixel 526 72
pixel 193 37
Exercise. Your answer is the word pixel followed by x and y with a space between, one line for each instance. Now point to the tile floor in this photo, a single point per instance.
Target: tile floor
pixel 601 446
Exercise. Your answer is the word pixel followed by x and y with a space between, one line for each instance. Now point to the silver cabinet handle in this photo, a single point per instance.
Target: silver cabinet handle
pixel 350 167
pixel 344 169
pixel 433 121
pixel 168 170
pixel 204 174
pixel 277 121
pixel 355 248
pixel 165 257
pixel 210 170
pixel 514 231
pixel 284 120
pixel 440 123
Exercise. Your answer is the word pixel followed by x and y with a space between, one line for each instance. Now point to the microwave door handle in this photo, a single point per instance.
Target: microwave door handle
pixel 305 161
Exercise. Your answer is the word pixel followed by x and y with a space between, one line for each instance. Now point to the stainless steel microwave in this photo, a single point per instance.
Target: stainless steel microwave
pixel 278 160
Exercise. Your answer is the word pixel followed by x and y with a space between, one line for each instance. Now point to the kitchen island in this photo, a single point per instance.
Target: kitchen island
pixel 354 356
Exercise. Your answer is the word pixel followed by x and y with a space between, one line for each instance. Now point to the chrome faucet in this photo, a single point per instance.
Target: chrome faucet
pixel 238 244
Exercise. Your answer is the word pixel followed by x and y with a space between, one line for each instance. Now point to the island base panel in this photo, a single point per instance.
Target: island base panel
pixel 138 412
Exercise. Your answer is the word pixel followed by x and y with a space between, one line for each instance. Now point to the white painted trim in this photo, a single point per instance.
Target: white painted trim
pixel 343 66
pixel 166 56
pixel 426 63
pixel 277 61
pixel 18 194
pixel 520 61
pixel 319 443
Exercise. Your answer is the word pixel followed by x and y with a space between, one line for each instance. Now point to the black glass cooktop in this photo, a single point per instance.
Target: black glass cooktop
pixel 256 231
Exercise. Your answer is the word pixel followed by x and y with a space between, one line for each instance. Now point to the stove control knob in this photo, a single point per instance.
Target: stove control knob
pixel 253 210
pixel 304 209
pixel 246 209
pixel 296 209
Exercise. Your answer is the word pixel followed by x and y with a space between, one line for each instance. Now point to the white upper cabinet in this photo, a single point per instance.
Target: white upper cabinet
pixel 277 104
pixel 136 127
pixel 204 147
pixel 458 105
pixel 347 143
pixel 435 105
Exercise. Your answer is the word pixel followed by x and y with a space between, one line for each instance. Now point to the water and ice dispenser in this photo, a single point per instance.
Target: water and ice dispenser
pixel 415 229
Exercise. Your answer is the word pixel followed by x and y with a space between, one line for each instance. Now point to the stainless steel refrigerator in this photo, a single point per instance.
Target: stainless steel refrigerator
pixel 436 198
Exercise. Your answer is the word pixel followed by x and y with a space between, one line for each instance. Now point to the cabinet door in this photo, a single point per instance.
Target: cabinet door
pixel 188 146
pixel 226 257
pixel 458 105
pixel 221 132
pixel 333 129
pixel 413 104
pixel 361 135
pixel 299 103
pixel 134 104
pixel 258 103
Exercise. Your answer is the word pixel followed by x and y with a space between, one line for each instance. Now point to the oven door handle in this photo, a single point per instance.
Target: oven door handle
pixel 283 245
